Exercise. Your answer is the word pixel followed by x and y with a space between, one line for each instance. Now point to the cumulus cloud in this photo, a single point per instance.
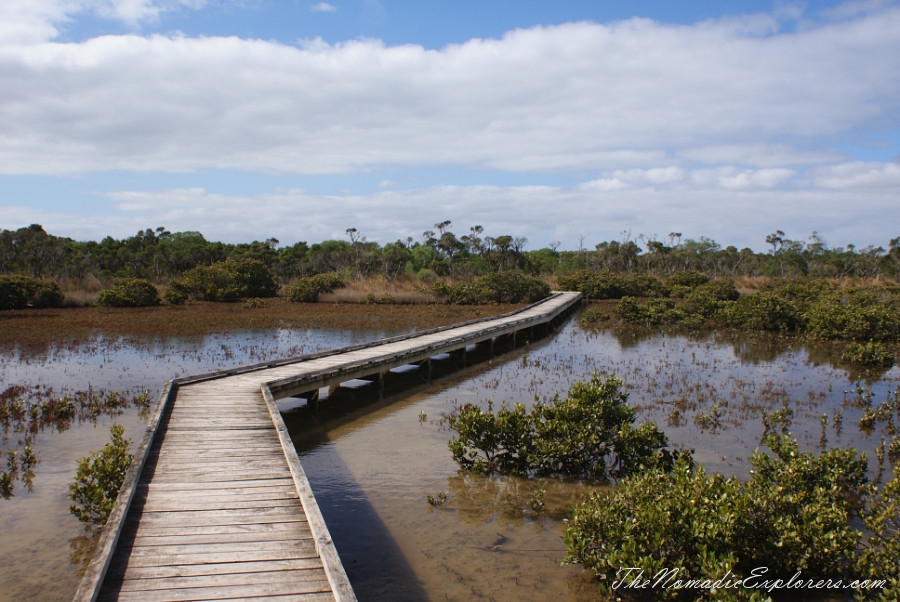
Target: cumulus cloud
pixel 579 96
pixel 732 206
pixel 35 21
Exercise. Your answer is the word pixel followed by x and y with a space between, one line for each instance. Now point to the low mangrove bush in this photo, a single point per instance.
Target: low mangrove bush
pixel 804 305
pixel 307 290
pixel 227 281
pixel 608 285
pixel 589 434
pixel 495 287
pixel 872 354
pixel 794 514
pixel 130 292
pixel 21 292
pixel 99 478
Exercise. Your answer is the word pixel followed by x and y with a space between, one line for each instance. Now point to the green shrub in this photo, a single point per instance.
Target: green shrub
pixel 99 477
pixel 878 559
pixel 654 312
pixel 762 311
pixel 307 290
pixel 20 292
pixel 688 278
pixel 129 292
pixel 868 355
pixel 707 300
pixel 802 292
pixel 793 514
pixel 496 287
pixel 591 316
pixel 606 285
pixel 46 294
pixel 857 314
pixel 589 434
pixel 227 281
pixel 513 287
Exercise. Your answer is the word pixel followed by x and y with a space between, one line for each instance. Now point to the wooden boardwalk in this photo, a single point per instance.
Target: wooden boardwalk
pixel 216 505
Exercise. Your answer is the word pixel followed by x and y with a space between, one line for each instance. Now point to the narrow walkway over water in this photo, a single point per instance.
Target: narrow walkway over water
pixel 216 505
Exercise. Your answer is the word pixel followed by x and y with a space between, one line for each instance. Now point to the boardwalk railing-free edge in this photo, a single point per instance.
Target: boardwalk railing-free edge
pixel 366 359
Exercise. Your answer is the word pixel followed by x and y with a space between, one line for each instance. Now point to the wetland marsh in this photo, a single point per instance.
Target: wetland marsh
pixel 407 523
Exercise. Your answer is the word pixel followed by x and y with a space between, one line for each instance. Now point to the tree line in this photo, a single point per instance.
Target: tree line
pixel 159 255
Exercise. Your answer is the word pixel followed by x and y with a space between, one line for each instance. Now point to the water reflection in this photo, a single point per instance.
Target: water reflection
pixel 472 537
pixel 374 455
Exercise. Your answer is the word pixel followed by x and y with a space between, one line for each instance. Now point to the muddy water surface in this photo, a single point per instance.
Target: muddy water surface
pixel 374 469
pixel 374 458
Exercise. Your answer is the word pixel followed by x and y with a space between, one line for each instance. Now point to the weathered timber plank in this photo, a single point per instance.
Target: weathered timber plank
pixel 222 538
pixel 170 526
pixel 228 592
pixel 198 504
pixel 251 463
pixel 155 557
pixel 224 517
pixel 218 486
pixel 276 491
pixel 224 453
pixel 222 568
pixel 271 548
pixel 304 581
pixel 218 475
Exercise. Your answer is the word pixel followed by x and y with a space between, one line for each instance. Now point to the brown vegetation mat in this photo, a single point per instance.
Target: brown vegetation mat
pixel 35 326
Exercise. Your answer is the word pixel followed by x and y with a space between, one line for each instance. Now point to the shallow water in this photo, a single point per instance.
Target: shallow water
pixel 42 551
pixel 373 458
pixel 372 471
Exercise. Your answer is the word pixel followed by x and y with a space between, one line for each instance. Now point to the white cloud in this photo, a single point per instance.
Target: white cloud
pixel 323 7
pixel 580 96
pixel 857 176
pixel 731 205
pixel 35 21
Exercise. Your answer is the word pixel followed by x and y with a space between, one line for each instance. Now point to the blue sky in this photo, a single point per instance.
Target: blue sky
pixel 558 121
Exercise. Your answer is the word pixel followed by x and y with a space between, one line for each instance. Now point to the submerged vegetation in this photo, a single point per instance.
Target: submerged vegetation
pixel 24 413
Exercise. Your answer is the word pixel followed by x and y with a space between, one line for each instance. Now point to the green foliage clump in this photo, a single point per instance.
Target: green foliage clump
pixel 763 311
pixel 793 514
pixel 307 290
pixel 589 434
pixel 227 281
pixel 513 287
pixel 687 278
pixel 878 559
pixel 99 477
pixel 606 285
pixel 496 287
pixel 868 355
pixel 651 313
pixel 129 292
pixel 20 292
pixel 592 316
pixel 857 314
